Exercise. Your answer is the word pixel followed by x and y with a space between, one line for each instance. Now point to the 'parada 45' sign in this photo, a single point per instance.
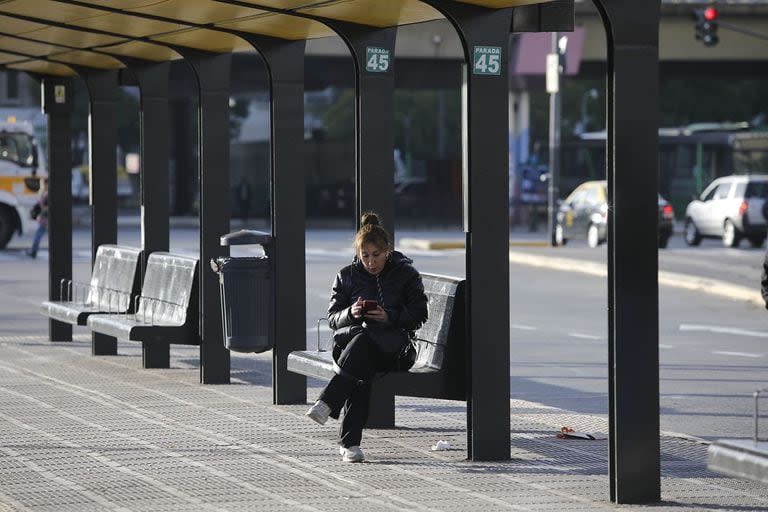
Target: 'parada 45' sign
pixel 377 59
pixel 487 60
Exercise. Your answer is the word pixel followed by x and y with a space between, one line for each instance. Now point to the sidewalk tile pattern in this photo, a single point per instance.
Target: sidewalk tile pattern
pixel 83 433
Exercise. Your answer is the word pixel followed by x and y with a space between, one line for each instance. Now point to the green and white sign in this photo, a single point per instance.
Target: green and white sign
pixel 377 59
pixel 487 60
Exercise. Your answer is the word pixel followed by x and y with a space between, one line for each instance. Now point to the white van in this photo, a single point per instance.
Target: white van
pixel 730 208
pixel 22 166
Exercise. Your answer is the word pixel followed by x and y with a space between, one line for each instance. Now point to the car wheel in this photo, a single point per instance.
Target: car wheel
pixel 756 241
pixel 663 240
pixel 7 225
pixel 731 237
pixel 593 236
pixel 559 236
pixel 691 233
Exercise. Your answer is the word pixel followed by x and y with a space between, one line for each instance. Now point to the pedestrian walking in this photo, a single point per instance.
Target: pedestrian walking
pixel 39 212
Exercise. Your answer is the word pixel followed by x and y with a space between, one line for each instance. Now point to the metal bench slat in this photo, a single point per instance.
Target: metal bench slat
pixel 433 342
pixel 114 268
pixel 312 363
pixel 167 310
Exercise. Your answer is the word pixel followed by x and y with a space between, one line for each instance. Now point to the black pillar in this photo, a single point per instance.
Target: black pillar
pixel 103 91
pixel 485 37
pixel 57 104
pixel 373 52
pixel 632 165
pixel 154 126
pixel 285 65
pixel 212 72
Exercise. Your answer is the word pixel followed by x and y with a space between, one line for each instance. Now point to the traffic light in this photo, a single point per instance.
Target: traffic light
pixel 706 25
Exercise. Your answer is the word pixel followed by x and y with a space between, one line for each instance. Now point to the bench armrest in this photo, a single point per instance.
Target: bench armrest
pixel 318 333
pixel 152 308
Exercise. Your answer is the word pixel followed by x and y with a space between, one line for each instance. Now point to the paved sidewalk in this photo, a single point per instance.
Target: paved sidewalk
pixel 87 433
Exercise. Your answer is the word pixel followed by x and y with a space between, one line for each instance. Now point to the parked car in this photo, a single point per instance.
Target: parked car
pixel 730 208
pixel 584 215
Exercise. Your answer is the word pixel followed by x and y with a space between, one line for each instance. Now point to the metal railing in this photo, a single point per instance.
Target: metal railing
pixel 756 396
pixel 318 334
pixel 85 294
pixel 156 309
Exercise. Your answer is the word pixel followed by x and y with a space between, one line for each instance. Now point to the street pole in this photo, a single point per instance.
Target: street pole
pixel 553 87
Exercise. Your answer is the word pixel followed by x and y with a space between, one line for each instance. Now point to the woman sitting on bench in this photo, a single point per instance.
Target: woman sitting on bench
pixel 376 304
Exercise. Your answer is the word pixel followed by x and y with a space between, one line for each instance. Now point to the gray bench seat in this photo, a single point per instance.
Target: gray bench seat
pixel 166 310
pixel 439 370
pixel 114 280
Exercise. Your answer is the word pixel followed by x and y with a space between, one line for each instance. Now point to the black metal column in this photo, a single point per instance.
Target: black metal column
pixel 212 72
pixel 373 52
pixel 57 104
pixel 102 134
pixel 632 165
pixel 285 65
pixel 154 126
pixel 485 37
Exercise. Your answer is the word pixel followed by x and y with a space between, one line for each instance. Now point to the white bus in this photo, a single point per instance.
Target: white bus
pixel 22 166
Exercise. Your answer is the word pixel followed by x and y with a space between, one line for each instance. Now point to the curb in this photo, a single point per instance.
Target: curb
pixel 439 245
pixel 672 279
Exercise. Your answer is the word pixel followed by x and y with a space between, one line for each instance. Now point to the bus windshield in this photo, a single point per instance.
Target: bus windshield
pixel 18 148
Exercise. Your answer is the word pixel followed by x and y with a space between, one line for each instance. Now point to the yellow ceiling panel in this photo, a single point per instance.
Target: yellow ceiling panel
pixel 71 37
pixel 279 25
pixel 140 50
pixel 48 10
pixel 500 4
pixel 121 4
pixel 43 67
pixel 285 4
pixel 28 47
pixel 90 59
pixel 14 26
pixel 203 39
pixel 130 26
pixel 5 58
pixel 198 11
pixel 375 12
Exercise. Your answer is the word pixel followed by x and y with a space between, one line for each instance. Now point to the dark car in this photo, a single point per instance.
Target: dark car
pixel 584 215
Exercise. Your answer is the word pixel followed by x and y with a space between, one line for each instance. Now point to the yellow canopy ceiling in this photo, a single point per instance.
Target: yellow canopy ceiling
pixel 45 35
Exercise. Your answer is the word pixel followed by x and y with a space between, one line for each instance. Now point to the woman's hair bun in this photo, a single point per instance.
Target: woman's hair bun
pixel 369 218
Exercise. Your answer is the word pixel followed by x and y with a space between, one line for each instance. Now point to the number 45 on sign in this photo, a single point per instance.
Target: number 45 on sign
pixel 487 60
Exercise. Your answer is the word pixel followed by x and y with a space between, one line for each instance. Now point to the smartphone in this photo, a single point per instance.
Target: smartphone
pixel 369 305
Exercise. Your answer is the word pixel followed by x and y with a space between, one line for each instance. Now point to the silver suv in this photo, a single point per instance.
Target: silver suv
pixel 730 208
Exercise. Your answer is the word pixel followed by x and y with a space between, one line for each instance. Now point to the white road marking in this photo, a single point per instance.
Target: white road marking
pixel 584 336
pixel 724 330
pixel 736 354
pixel 663 345
pixel 524 327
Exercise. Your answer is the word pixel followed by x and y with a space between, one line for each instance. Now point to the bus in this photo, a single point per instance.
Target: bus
pixel 690 157
pixel 22 166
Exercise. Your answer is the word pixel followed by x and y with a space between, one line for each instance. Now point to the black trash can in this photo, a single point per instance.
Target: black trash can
pixel 246 288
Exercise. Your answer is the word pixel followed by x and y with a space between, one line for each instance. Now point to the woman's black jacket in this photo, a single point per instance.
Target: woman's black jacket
pixel 397 288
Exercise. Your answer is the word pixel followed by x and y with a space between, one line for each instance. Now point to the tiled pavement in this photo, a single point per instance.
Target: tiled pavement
pixel 83 433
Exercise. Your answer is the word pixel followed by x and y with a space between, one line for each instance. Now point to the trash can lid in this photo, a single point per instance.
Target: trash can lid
pixel 246 237
pixel 225 263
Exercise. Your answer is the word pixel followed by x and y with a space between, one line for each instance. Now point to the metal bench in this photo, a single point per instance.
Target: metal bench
pixel 439 370
pixel 114 280
pixel 167 309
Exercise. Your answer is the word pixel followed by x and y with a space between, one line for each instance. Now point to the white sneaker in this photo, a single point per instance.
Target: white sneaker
pixel 351 454
pixel 319 412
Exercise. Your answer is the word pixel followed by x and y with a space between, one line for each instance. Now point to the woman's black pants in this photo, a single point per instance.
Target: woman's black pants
pixel 351 388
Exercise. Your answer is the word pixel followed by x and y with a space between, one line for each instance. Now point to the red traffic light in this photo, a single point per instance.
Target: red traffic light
pixel 710 14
